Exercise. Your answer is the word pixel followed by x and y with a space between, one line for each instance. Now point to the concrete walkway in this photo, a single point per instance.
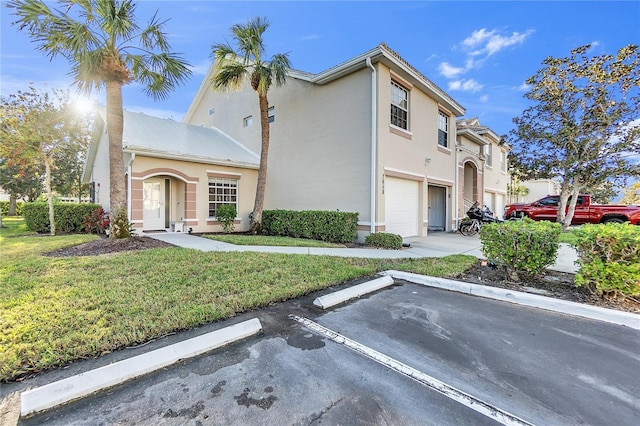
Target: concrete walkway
pixel 436 244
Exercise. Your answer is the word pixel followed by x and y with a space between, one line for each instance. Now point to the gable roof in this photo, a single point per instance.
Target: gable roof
pixel 164 138
pixel 381 53
pixel 473 128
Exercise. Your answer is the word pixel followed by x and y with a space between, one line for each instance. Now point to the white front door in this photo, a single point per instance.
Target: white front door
pixel 153 204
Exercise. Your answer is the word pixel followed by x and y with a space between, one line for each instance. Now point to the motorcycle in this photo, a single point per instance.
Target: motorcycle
pixel 479 216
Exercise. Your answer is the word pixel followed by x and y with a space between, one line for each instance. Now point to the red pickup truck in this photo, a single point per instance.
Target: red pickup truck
pixel 547 209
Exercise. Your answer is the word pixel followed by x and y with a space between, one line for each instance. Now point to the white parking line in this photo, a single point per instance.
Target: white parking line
pixel 470 401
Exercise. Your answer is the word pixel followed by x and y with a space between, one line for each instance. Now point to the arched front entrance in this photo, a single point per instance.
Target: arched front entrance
pixel 470 192
pixel 160 201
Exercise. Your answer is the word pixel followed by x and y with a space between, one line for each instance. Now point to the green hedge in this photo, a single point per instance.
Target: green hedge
pixel 4 205
pixel 522 245
pixel 335 227
pixel 609 259
pixel 384 240
pixel 69 217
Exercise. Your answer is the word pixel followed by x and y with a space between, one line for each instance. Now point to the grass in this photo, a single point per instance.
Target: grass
pixel 568 237
pixel 56 310
pixel 264 240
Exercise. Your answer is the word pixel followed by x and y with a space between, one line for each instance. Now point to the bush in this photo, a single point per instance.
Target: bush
pixel 384 240
pixel 4 205
pixel 226 215
pixel 522 245
pixel 609 259
pixel 97 222
pixel 120 225
pixel 69 217
pixel 334 227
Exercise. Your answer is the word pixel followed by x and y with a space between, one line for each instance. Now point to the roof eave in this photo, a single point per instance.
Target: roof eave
pixel 192 158
pixel 473 136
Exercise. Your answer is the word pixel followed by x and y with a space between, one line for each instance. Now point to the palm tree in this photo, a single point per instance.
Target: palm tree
pixel 232 68
pixel 106 48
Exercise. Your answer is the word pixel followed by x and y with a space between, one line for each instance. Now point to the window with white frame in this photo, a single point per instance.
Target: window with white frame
pixel 272 114
pixel 222 191
pixel 399 106
pixel 443 129
pixel 247 121
pixel 503 161
pixel 487 154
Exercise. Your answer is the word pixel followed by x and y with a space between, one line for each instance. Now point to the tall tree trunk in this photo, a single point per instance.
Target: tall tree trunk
pixel 256 217
pixel 115 124
pixel 1 225
pixel 47 185
pixel 12 205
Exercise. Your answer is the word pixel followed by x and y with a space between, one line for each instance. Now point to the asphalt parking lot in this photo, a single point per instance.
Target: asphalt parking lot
pixel 525 365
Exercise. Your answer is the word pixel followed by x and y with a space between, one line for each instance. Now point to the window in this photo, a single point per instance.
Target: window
pixel 443 129
pixel 222 191
pixel 399 106
pixel 247 121
pixel 503 161
pixel 212 111
pixel 272 114
pixel 487 153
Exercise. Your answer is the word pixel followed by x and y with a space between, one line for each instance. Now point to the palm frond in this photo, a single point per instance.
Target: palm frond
pixel 159 73
pixel 230 76
pixel 279 67
pixel 153 36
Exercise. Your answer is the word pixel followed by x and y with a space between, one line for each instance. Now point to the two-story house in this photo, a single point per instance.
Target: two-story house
pixel 371 135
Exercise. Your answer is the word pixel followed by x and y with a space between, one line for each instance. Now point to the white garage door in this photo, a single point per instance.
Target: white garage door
pixel 401 206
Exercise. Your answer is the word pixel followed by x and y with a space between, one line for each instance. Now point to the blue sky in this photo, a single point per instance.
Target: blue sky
pixel 480 52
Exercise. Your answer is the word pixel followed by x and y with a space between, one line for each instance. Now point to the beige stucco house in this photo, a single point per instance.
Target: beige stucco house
pixel 177 174
pixel 371 135
pixel 482 167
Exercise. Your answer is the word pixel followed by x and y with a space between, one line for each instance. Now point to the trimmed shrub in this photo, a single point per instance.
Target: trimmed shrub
pixel 96 222
pixel 521 246
pixel 69 217
pixel 4 205
pixel 609 259
pixel 384 240
pixel 334 227
pixel 120 225
pixel 226 214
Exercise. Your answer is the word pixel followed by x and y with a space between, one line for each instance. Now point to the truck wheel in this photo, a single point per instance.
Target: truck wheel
pixel 613 220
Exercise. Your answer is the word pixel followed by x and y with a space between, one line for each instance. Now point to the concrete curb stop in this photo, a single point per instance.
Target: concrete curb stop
pixel 341 296
pixel 81 385
pixel 556 305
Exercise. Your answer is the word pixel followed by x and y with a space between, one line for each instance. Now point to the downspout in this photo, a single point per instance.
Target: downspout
pixel 374 105
pixel 129 168
pixel 456 186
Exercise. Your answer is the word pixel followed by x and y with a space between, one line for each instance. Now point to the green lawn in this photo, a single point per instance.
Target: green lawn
pixel 56 310
pixel 264 240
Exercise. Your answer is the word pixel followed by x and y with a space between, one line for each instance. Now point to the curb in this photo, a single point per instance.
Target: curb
pixel 337 297
pixel 81 385
pixel 626 319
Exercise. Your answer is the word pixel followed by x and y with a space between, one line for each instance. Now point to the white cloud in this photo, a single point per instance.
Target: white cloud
pixel 465 85
pixel 310 37
pixel 449 71
pixel 524 87
pixel 484 98
pixel 202 68
pixel 477 37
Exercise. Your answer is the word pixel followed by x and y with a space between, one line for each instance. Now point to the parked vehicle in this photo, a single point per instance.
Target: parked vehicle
pixel 478 217
pixel 586 211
